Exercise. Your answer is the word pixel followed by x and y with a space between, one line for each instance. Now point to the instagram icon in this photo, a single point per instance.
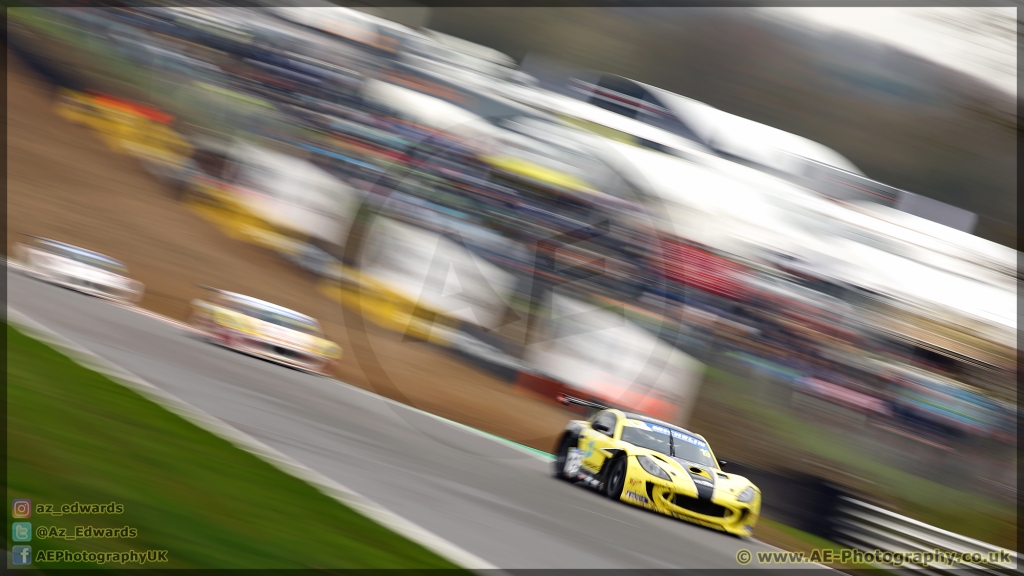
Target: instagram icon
pixel 21 508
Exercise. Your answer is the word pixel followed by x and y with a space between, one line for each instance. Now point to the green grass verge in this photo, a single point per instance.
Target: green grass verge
pixel 76 436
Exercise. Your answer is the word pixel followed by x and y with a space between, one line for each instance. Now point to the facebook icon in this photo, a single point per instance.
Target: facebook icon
pixel 21 555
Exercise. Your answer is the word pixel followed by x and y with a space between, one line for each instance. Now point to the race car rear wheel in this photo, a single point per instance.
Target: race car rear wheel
pixel 616 479
pixel 569 440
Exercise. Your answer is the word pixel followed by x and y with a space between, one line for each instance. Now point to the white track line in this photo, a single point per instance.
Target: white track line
pixel 503 441
pixel 328 486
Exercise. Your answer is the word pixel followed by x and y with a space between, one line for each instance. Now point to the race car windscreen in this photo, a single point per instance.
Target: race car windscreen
pixel 668 441
pixel 276 318
pixel 106 265
pixel 289 322
pixel 89 259
pixel 647 439
pixel 693 453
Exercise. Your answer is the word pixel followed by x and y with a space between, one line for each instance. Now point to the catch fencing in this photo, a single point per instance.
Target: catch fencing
pixel 865 527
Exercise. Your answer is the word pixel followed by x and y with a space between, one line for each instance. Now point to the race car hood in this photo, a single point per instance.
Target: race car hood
pixel 274 333
pixel 286 336
pixel 90 273
pixel 711 482
pixel 703 482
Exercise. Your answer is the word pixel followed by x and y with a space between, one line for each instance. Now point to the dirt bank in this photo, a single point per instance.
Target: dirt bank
pixel 63 183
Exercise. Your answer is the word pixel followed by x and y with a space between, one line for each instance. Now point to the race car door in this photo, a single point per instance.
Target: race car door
pixel 595 440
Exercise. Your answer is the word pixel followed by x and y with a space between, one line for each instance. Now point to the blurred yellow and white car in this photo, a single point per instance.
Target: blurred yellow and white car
pixel 265 330
pixel 79 269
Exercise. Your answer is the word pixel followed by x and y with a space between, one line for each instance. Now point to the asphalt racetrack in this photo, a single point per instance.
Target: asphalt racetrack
pixel 482 495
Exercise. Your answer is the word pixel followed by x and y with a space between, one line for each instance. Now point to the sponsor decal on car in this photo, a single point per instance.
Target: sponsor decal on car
pixel 688 439
pixel 660 429
pixel 635 482
pixel 637 497
pixel 668 431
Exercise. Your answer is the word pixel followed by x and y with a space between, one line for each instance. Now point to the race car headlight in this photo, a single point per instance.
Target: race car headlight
pixel 652 467
pixel 747 495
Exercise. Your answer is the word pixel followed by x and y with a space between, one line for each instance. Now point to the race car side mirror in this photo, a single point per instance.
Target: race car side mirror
pixel 721 464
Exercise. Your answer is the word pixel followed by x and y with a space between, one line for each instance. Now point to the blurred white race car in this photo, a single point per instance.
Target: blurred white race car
pixel 265 330
pixel 79 269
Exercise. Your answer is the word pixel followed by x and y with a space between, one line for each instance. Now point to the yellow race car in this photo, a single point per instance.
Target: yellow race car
pixel 657 466
pixel 265 330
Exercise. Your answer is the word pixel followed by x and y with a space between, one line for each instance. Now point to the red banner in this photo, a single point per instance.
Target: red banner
pixel 702 270
pixel 153 114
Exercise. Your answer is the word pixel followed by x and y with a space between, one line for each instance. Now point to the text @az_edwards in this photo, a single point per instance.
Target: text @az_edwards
pixel 84 532
pixel 853 556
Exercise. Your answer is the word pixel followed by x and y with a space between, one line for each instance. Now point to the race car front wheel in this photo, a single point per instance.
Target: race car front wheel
pixel 568 442
pixel 616 479
pixel 202 325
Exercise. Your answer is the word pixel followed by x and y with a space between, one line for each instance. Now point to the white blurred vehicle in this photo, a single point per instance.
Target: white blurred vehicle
pixel 265 330
pixel 79 269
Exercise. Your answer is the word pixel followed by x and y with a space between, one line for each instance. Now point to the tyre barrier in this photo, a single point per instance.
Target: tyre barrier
pixel 829 511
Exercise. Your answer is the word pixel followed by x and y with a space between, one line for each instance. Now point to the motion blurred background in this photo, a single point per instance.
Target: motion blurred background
pixel 790 235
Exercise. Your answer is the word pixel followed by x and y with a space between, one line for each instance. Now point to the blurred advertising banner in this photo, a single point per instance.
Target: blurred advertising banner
pixel 288 193
pixel 436 272
pixel 703 270
pixel 843 396
pixel 602 356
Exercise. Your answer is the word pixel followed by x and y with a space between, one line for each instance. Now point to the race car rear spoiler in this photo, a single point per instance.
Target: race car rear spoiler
pixel 591 407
